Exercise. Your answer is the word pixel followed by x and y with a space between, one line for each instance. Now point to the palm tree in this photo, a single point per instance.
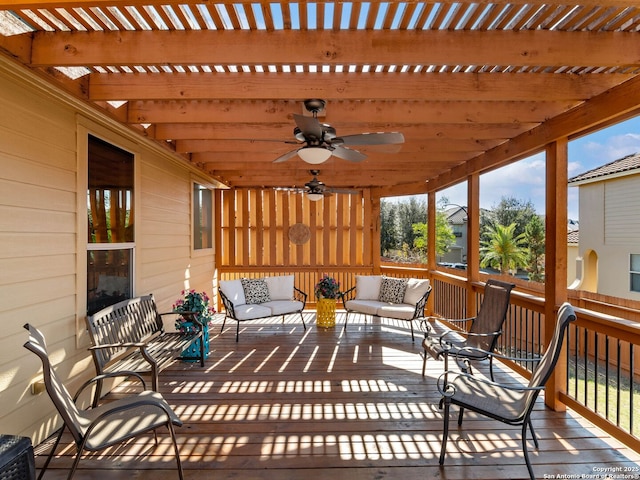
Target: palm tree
pixel 502 250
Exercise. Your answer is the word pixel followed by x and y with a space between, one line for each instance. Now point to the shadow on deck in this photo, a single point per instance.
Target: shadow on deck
pixel 285 403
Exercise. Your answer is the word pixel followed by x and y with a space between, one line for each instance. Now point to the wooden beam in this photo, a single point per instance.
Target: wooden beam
pixel 40 4
pixel 602 109
pixel 341 47
pixel 425 146
pixel 352 86
pixel 346 112
pixel 194 131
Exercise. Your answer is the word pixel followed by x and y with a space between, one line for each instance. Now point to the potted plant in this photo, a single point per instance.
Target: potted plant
pixel 194 307
pixel 327 290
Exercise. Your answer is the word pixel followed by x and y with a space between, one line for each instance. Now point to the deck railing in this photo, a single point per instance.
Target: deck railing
pixel 603 346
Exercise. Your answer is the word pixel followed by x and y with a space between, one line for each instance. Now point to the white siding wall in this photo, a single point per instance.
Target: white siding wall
pixel 40 281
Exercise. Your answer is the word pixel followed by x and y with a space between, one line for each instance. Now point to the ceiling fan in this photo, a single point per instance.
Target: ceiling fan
pixel 319 140
pixel 316 190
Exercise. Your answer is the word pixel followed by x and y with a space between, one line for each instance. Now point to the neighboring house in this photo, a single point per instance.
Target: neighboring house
pixel 458 219
pixel 608 260
pixel 573 243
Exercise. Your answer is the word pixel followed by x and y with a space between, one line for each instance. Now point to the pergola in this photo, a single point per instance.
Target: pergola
pixel 471 86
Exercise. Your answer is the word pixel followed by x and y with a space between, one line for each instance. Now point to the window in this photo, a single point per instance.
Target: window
pixel 202 217
pixel 110 234
pixel 635 272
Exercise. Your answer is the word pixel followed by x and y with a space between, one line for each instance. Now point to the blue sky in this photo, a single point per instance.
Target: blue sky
pixel 524 180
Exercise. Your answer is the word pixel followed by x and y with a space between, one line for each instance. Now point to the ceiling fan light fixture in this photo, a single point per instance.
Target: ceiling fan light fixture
pixel 315 197
pixel 314 155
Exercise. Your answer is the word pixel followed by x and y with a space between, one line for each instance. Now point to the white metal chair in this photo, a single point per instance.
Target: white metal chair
pixel 104 425
pixel 507 403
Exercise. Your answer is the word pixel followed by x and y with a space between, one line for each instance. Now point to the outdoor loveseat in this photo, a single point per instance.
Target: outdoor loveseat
pixel 380 296
pixel 250 299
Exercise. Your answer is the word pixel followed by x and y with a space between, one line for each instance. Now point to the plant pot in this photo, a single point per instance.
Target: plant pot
pixel 326 312
pixel 193 352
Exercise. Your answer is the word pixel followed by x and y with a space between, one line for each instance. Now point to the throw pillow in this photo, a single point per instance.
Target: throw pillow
pixel 416 288
pixel 280 288
pixel 255 290
pixel 392 290
pixel 368 287
pixel 234 291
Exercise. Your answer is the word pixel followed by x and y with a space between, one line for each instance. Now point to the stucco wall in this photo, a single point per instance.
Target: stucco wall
pixel 608 215
pixel 42 237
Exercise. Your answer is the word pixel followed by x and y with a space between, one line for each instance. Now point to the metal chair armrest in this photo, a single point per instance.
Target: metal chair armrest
pixel 300 296
pixel 103 376
pixel 348 294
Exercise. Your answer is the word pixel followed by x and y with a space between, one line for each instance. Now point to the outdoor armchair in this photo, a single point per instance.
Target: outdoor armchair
pixel 506 403
pixel 440 341
pixel 107 424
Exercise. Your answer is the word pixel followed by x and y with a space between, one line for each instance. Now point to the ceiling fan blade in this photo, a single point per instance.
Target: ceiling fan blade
pixel 348 154
pixel 348 191
pixel 286 156
pixel 309 126
pixel 381 138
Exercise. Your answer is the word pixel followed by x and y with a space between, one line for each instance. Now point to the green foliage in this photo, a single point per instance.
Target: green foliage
pixel 410 212
pixel 503 250
pixel 535 239
pixel 193 301
pixel 444 235
pixel 327 287
pixel 509 210
pixel 388 228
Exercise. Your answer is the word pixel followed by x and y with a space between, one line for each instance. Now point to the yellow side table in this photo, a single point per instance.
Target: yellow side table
pixel 326 312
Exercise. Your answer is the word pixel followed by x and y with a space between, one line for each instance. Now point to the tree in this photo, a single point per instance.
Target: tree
pixel 410 212
pixel 509 210
pixel 503 250
pixel 388 227
pixel 444 234
pixel 535 238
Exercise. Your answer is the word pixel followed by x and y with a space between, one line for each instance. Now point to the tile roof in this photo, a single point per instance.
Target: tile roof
pixel 625 164
pixel 573 237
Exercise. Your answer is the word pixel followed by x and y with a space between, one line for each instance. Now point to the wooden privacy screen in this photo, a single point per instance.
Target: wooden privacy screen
pixel 253 230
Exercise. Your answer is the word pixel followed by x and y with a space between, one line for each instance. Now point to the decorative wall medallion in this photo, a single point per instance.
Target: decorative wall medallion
pixel 299 233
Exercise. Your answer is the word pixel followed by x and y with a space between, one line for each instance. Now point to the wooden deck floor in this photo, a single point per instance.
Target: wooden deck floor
pixel 285 403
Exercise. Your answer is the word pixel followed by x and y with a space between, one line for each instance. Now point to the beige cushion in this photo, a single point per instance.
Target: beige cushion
pixel 234 291
pixel 416 288
pixel 280 288
pixel 368 287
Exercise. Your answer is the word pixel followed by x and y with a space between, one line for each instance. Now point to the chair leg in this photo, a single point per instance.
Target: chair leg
pixel 97 393
pixel 411 324
pixel 491 368
pixel 424 362
pixel 224 320
pixel 460 415
pixel 237 330
pixel 533 434
pixel 76 460
pixel 526 452
pixel 50 456
pixel 445 430
pixel 302 318
pixel 177 452
pixel 346 318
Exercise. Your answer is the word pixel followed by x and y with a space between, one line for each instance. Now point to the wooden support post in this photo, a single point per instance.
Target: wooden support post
pixel 431 230
pixel 555 258
pixel 473 240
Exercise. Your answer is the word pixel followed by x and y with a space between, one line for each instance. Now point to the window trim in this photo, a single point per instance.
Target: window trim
pixel 84 128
